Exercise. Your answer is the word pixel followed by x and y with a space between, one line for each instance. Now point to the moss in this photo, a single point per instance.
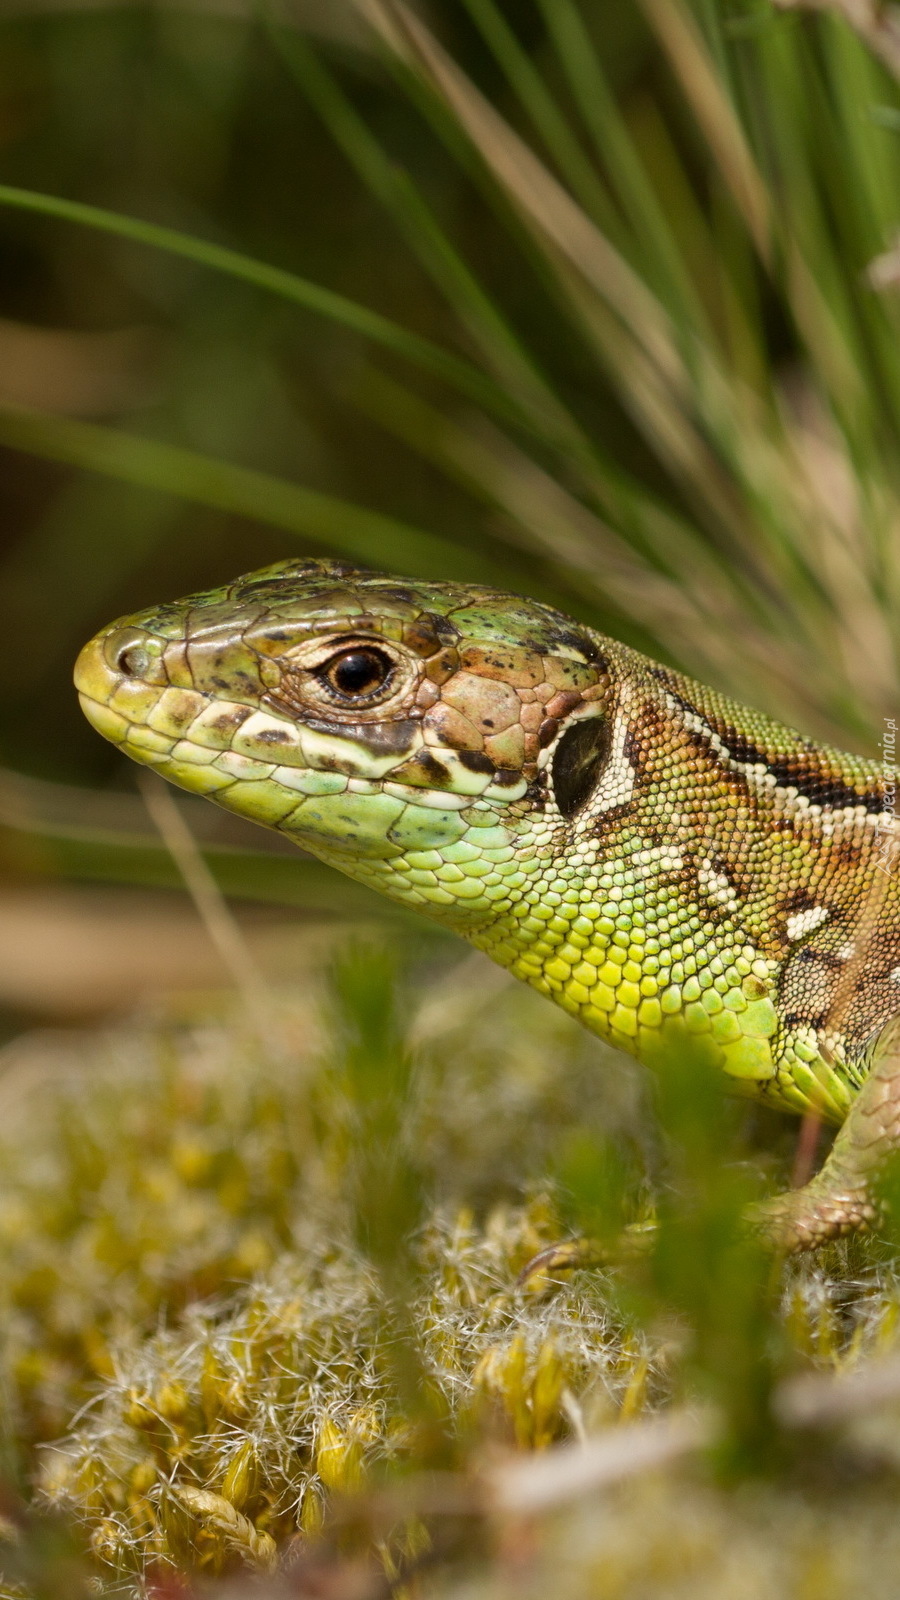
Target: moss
pixel 268 1407
pixel 226 1351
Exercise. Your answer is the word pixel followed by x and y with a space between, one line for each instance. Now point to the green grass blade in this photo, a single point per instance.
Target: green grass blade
pixel 710 100
pixel 55 830
pixel 273 280
pixel 478 314
pixel 546 117
pixel 658 247
pixel 325 519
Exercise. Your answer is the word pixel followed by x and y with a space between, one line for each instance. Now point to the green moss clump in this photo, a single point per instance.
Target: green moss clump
pixel 225 1438
pixel 244 1289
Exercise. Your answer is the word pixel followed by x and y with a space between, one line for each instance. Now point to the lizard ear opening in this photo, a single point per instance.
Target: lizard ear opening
pixel 578 760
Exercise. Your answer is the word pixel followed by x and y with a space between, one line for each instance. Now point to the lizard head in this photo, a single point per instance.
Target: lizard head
pixel 423 737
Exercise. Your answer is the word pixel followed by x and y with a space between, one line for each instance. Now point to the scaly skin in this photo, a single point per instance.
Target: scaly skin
pixel 660 861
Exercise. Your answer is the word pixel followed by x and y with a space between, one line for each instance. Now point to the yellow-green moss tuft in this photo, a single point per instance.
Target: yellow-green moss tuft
pixel 211 1341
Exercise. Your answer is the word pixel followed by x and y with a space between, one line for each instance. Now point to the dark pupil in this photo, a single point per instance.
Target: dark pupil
pixel 359 672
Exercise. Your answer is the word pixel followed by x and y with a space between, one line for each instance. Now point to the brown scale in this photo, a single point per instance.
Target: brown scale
pixel 865 995
pixel 429 633
pixel 822 872
pixel 810 979
pixel 826 777
pixel 874 998
pixel 500 706
pixel 685 755
pixel 839 980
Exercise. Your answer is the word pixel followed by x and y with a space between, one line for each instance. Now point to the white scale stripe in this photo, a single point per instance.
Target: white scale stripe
pixel 757 774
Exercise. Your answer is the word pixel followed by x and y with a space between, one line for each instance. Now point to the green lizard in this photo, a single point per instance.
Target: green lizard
pixel 660 861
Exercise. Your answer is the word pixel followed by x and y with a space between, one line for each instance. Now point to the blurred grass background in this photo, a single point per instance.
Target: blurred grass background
pixel 596 302
pixel 575 299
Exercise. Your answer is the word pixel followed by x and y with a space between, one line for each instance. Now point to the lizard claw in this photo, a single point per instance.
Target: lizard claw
pixel 543 1269
pixel 568 1255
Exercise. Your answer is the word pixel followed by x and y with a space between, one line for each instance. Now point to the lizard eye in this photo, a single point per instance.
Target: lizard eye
pixel 357 674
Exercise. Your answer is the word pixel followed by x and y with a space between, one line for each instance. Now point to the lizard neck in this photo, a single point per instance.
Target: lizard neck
pixel 727 878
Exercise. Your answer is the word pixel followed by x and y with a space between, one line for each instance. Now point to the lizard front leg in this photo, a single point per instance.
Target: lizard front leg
pixel 842 1198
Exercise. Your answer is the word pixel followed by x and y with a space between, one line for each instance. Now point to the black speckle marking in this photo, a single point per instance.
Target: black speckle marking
pixel 536 793
pixel 229 721
pixel 475 760
pixel 633 752
pixel 739 885
pixel 381 738
pixel 800 900
pixel 433 769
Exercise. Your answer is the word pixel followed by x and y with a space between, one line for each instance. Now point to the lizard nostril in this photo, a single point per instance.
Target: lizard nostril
pixel 133 661
pixel 126 652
